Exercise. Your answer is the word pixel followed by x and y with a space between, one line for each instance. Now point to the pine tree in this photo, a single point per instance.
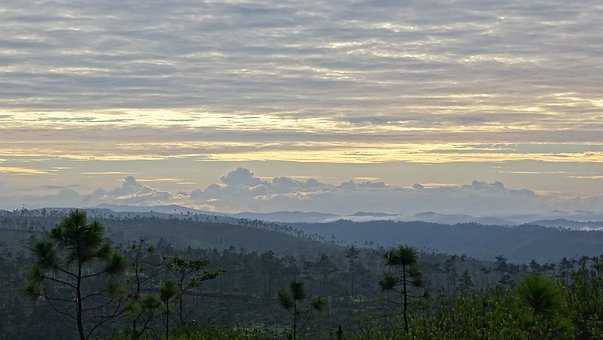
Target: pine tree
pixel 144 266
pixel 403 275
pixel 466 282
pixel 188 275
pixel 292 298
pixel 167 292
pixel 352 254
pixel 75 256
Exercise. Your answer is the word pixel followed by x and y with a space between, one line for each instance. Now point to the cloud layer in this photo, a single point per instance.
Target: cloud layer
pixel 240 190
pixel 118 83
pixel 465 57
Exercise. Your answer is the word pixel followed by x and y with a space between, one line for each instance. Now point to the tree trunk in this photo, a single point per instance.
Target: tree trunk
pixel 294 321
pixel 78 296
pixel 352 282
pixel 405 293
pixel 180 310
pixel 269 285
pixel 167 320
pixel 180 300
pixel 135 334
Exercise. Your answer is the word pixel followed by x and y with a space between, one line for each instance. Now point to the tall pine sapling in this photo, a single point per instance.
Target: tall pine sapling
pixel 144 267
pixel 167 292
pixel 352 254
pixel 72 267
pixel 292 299
pixel 188 275
pixel 403 274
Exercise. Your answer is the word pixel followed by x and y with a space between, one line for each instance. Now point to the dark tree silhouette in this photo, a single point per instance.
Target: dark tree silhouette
pixel 352 254
pixel 403 274
pixel 541 293
pixel 167 292
pixel 75 256
pixel 189 274
pixel 466 282
pixel 292 298
pixel 144 267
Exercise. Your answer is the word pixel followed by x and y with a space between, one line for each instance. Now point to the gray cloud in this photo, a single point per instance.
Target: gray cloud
pixel 113 80
pixel 281 193
pixel 241 190
pixel 130 192
pixel 329 57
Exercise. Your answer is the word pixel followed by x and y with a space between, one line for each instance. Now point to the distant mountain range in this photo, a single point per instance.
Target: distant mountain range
pixel 287 216
pixel 549 241
pixel 575 221
pixel 518 243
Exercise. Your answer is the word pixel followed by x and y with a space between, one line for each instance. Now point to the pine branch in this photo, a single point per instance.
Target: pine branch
pixel 57 310
pixel 59 281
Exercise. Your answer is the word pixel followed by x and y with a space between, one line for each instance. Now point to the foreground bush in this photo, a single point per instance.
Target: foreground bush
pixel 533 311
pixel 217 333
pixel 206 333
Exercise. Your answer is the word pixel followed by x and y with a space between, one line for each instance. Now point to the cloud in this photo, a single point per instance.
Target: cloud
pixel 249 192
pixel 593 177
pixel 350 82
pixel 62 197
pixel 415 69
pixel 240 178
pixel 13 170
pixel 241 190
pixel 104 173
pixel 130 192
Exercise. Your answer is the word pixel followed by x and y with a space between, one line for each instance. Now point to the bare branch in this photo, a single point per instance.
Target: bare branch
pixel 59 281
pixel 57 310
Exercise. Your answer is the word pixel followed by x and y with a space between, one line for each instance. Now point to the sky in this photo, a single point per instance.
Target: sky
pixel 179 93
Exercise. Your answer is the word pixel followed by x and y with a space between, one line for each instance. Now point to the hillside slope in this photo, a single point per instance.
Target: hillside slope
pixel 521 243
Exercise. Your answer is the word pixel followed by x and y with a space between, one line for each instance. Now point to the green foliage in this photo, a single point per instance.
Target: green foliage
pixel 466 283
pixel 147 302
pixel 403 274
pixel 116 290
pixel 388 282
pixel 498 315
pixel 541 293
pixel 297 290
pixel 402 256
pixel 150 302
pixel 218 333
pixel 319 303
pixel 292 300
pixel 189 274
pixel 469 299
pixel 76 257
pixel 46 254
pixel 116 263
pixel 285 299
pixel 415 276
pixel 81 240
pixel 33 285
pixel 74 242
pixel 167 291
pixel 585 299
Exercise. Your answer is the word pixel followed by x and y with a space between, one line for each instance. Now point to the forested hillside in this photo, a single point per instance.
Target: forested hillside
pixel 518 243
pixel 189 277
pixel 521 243
pixel 200 231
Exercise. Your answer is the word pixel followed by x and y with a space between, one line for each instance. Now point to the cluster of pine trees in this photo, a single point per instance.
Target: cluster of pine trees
pixel 80 284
